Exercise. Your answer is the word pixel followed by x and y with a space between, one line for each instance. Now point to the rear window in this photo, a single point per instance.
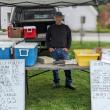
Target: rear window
pixel 34 14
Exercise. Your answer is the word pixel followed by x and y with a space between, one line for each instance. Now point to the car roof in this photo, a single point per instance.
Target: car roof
pixel 54 3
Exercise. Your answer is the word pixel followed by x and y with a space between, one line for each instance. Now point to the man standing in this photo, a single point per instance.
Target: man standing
pixel 58 40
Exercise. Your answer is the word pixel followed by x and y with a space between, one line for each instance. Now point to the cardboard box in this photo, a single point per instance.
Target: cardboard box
pixel 45 60
pixel 17 32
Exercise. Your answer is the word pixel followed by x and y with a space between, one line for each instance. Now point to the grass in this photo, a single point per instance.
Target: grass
pixel 104 30
pixel 43 97
pixel 99 29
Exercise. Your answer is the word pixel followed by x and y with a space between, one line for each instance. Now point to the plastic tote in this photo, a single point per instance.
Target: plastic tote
pixel 27 51
pixel 84 56
pixel 5 49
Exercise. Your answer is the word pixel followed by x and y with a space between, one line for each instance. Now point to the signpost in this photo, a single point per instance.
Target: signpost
pixel 100 85
pixel 12 85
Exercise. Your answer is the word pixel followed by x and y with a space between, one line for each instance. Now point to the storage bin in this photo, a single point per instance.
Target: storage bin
pixel 84 56
pixel 30 32
pixel 5 49
pixel 27 51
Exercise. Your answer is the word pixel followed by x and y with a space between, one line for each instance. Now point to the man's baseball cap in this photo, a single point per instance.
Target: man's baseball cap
pixel 58 14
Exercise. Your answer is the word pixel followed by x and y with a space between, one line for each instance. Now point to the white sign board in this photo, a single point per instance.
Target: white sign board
pixel 105 55
pixel 12 85
pixel 100 85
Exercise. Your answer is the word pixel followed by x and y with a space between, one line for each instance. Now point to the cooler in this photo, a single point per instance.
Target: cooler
pixel 5 50
pixel 27 51
pixel 30 32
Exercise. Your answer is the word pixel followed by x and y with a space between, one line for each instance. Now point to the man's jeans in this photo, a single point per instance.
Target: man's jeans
pixel 60 54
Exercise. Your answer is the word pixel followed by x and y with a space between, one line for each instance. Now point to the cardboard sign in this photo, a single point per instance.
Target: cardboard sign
pixel 12 85
pixel 100 85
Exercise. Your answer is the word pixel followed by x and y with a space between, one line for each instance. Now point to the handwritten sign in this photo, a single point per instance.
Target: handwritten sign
pixel 105 55
pixel 100 85
pixel 12 85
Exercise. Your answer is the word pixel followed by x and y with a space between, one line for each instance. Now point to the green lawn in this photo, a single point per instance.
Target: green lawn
pixel 43 97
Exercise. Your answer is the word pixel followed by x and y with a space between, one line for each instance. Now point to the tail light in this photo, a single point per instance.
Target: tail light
pixel 10 30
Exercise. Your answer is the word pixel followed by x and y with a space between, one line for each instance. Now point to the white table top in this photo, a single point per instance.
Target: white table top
pixel 39 66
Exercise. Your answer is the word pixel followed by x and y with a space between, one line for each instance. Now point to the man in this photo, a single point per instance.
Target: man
pixel 58 40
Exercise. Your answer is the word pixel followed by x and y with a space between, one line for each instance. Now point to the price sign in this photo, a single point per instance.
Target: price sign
pixel 100 85
pixel 12 85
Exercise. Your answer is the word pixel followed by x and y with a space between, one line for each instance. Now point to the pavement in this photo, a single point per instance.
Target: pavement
pixel 3 33
pixel 105 37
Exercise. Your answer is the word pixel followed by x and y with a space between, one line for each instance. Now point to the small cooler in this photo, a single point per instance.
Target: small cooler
pixel 27 51
pixel 30 32
pixel 5 49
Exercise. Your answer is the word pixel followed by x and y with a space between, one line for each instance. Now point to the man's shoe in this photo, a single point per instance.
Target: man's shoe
pixel 56 85
pixel 70 87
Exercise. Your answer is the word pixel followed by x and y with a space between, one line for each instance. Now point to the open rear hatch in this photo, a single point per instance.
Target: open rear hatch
pixel 40 25
pixel 55 3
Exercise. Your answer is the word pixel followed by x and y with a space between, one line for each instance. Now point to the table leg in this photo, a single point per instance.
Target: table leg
pixel 43 72
pixel 87 71
pixel 26 81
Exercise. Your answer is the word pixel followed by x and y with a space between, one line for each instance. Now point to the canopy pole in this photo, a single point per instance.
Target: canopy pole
pixel 98 28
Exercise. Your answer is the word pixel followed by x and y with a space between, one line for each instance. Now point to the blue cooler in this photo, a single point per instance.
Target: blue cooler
pixel 5 49
pixel 27 51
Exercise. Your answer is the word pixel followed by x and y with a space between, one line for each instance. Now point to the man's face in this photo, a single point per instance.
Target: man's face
pixel 58 19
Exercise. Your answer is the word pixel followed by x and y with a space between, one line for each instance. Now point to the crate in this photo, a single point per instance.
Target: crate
pixel 30 32
pixel 15 32
pixel 27 51
pixel 6 49
pixel 84 56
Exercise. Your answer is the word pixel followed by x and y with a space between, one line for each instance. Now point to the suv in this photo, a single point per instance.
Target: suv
pixel 41 17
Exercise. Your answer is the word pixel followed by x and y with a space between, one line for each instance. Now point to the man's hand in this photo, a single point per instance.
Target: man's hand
pixel 65 49
pixel 51 49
